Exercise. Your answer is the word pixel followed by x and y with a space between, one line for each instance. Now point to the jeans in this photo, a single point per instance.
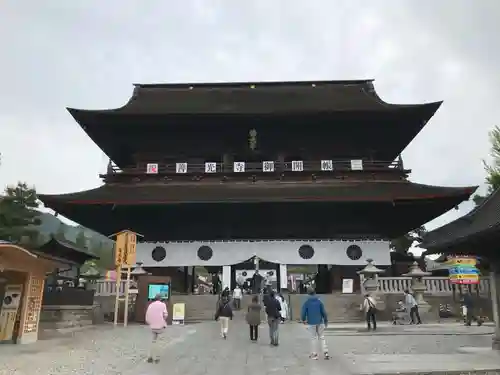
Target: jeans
pixel 371 318
pixel 274 324
pixel 237 303
pixel 254 333
pixel 154 350
pixel 317 334
pixel 415 314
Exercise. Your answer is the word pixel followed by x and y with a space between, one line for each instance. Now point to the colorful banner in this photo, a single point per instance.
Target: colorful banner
pixel 463 270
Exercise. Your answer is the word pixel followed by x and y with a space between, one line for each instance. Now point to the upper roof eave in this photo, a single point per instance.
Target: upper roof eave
pixel 253 98
pixel 248 84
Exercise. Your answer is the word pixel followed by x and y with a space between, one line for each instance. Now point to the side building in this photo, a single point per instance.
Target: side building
pixel 293 173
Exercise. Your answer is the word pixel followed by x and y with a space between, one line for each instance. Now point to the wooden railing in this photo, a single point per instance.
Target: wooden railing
pixel 242 167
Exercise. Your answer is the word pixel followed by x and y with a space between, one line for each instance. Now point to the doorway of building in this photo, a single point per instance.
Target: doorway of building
pixel 245 271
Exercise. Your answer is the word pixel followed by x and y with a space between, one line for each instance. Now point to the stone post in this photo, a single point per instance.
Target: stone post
pixel 418 287
pixel 370 284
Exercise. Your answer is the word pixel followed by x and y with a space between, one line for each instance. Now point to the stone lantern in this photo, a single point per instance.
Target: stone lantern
pixel 417 286
pixel 370 281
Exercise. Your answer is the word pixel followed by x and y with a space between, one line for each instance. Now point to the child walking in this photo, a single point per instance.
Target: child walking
pixel 253 318
pixel 223 314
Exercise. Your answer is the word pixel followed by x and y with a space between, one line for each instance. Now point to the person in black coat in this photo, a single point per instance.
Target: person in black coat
pixel 273 311
pixel 224 314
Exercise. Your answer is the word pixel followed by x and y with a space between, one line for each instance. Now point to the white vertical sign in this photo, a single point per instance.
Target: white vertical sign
pixel 152 168
pixel 268 166
pixel 210 167
pixel 357 165
pixel 239 166
pixel 297 165
pixel 327 165
pixel 181 167
pixel 283 276
pixel 347 286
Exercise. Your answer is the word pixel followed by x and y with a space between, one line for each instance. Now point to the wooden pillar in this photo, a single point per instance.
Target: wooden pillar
pixel 186 280
pixel 494 289
pixel 193 279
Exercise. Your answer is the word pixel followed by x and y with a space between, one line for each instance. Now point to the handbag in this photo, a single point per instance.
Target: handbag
pixel 371 306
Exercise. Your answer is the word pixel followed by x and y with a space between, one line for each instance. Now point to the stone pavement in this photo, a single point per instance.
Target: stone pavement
pixel 444 348
pixel 198 349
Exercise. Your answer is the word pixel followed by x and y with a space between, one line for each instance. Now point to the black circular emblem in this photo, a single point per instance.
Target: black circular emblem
pixel 354 252
pixel 306 252
pixel 159 253
pixel 205 253
pixel 244 273
pixel 270 273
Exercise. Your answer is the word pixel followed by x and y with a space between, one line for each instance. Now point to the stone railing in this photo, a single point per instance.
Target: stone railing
pixel 387 285
pixel 104 288
pixel 435 285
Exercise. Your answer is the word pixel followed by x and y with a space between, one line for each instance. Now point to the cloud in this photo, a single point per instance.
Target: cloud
pixel 86 54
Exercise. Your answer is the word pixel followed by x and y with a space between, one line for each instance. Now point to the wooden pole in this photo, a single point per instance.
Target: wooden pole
pixel 117 296
pixel 127 288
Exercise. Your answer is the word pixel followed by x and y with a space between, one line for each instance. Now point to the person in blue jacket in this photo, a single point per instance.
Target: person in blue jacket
pixel 314 315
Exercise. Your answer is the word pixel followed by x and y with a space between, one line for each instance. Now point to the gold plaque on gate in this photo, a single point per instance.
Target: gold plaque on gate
pixel 131 249
pixel 120 248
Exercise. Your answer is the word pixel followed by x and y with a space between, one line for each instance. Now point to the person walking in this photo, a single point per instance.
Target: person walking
pixel 412 306
pixel 273 309
pixel 369 306
pixel 253 318
pixel 468 302
pixel 224 314
pixel 156 319
pixel 284 307
pixel 314 315
pixel 237 296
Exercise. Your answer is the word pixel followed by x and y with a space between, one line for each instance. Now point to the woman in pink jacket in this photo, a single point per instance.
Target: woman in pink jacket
pixel 156 319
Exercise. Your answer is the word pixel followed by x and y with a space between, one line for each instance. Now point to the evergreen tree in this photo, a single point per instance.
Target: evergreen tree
pixel 403 244
pixel 493 168
pixel 18 215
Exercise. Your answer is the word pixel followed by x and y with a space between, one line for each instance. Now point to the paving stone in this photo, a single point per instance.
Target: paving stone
pixel 199 349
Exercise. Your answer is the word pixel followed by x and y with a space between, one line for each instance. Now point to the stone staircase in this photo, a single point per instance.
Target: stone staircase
pixel 199 308
pixel 341 308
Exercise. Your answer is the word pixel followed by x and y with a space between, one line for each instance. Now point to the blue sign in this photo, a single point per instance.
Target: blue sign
pixel 463 270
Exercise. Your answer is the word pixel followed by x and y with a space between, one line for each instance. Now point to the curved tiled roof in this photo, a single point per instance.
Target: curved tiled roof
pixel 349 191
pixel 482 218
pixel 253 98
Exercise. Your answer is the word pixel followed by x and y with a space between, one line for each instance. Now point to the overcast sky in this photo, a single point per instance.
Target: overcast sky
pixel 86 54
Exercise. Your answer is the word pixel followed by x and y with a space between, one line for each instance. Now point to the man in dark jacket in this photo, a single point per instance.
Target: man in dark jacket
pixel 273 308
pixel 314 315
pixel 468 302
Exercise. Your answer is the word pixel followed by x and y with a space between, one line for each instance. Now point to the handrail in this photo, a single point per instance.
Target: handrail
pixel 321 166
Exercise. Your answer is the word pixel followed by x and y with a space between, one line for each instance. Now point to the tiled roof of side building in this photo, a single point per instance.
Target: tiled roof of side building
pixel 482 218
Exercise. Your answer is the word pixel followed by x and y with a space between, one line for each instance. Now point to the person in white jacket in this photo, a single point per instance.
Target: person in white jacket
pixel 284 307
pixel 369 306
